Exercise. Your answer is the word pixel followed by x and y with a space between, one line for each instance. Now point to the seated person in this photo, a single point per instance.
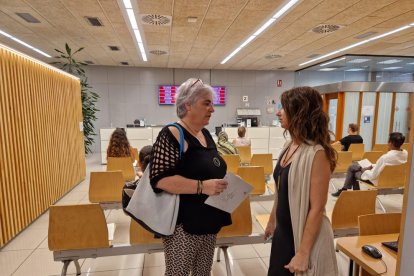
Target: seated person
pixel 119 145
pixel 144 158
pixel 224 146
pixel 395 156
pixel 241 140
pixel 352 138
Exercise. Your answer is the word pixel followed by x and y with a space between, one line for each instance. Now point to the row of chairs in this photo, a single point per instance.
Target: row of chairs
pixel 81 231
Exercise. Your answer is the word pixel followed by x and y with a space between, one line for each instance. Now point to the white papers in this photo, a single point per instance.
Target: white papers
pixel 237 190
pixel 364 163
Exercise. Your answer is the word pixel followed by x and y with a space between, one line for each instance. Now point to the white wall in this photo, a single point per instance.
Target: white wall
pixel 129 93
pixel 407 254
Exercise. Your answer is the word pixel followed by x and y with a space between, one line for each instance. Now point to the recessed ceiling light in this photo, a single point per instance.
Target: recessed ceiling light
pixel 333 61
pixel 411 63
pixel 24 44
pixel 358 60
pixel 327 69
pixel 354 69
pixel 390 61
pixel 191 19
pixel 392 68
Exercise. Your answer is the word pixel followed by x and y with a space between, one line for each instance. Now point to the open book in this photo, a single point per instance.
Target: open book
pixel 364 163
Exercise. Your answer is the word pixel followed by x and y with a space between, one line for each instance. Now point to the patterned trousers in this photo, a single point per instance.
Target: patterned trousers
pixel 186 252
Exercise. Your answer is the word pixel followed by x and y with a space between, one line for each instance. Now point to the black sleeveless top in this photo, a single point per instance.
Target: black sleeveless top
pixel 198 163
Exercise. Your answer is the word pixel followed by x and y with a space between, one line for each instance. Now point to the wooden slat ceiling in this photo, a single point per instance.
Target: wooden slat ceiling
pixel 222 25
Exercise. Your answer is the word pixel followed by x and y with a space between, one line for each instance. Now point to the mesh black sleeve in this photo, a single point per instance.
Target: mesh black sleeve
pixel 164 157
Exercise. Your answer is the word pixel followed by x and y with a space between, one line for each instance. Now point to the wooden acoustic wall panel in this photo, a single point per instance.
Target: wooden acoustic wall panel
pixel 41 145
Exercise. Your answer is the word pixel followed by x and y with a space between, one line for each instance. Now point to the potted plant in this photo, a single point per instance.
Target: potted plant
pixel 89 98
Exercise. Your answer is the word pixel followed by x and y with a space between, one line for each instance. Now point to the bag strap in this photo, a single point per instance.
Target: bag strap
pixel 181 137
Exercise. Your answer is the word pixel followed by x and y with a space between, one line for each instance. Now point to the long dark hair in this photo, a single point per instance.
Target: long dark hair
pixel 306 119
pixel 118 144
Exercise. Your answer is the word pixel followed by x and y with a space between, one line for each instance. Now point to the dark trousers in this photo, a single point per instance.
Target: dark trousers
pixel 353 174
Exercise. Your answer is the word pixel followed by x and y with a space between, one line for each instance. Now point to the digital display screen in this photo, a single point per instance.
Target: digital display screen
pixel 166 94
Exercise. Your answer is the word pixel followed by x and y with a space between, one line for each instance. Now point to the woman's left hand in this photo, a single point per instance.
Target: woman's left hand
pixel 299 263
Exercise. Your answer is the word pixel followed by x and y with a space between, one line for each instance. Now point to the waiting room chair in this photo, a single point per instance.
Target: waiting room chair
pixel 254 175
pixel 337 147
pixel 106 187
pixel 242 222
pixel 232 161
pixel 265 160
pixel 123 164
pixel 349 206
pixel 379 224
pixel 372 156
pixel 77 227
pixel 391 180
pixel 357 151
pixel 139 235
pixel 343 162
pixel 380 147
pixel 135 154
pixel 262 219
pixel 245 153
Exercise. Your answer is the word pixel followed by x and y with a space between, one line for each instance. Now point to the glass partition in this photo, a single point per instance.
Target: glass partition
pixel 367 118
pixel 384 117
pixel 351 111
pixel 401 113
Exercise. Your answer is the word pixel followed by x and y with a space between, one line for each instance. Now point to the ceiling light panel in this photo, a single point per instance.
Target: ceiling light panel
pixel 24 44
pixel 359 60
pixel 392 68
pixel 354 69
pixel 333 61
pixel 390 61
pixel 130 13
pixel 279 13
pixel 327 69
pixel 358 44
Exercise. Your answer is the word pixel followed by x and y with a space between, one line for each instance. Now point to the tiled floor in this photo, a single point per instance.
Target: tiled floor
pixel 28 253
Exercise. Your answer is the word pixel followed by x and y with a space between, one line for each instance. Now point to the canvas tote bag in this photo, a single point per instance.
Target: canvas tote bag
pixel 156 212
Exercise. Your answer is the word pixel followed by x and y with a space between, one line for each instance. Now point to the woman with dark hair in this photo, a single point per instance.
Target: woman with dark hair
pixel 119 145
pixel 302 234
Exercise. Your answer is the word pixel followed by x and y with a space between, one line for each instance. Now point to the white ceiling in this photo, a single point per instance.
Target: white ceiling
pixel 222 25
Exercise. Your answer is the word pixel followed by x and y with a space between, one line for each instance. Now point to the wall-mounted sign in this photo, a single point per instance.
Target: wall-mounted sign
pixel 367 119
pixel 245 98
pixel 279 83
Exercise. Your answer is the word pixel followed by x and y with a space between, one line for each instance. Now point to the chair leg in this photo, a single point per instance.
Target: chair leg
pixel 381 205
pixel 78 269
pixel 65 267
pixel 218 254
pixel 227 260
pixel 333 185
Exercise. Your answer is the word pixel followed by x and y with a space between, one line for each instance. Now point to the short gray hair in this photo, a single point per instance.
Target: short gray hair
pixel 188 93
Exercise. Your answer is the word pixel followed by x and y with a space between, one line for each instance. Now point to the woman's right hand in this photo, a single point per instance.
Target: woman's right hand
pixel 270 228
pixel 214 186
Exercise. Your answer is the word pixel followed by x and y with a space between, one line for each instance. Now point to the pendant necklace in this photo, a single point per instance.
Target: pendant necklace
pixel 193 133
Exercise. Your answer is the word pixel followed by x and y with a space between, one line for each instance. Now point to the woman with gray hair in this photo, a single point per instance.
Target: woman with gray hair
pixel 197 174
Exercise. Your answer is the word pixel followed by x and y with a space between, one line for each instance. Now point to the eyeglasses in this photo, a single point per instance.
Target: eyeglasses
pixel 198 80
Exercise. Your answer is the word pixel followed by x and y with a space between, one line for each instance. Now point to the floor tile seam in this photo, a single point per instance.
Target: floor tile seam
pixel 28 256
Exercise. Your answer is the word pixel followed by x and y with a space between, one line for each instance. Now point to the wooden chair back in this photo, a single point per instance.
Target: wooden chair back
pixel 106 187
pixel 337 147
pixel 139 235
pixel 350 205
pixel 357 151
pixel 406 146
pixel 393 177
pixel 262 219
pixel 242 222
pixel 265 160
pixel 254 175
pixel 245 153
pixel 380 147
pixel 77 227
pixel 123 164
pixel 232 161
pixel 379 224
pixel 372 156
pixel 344 161
pixel 135 154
